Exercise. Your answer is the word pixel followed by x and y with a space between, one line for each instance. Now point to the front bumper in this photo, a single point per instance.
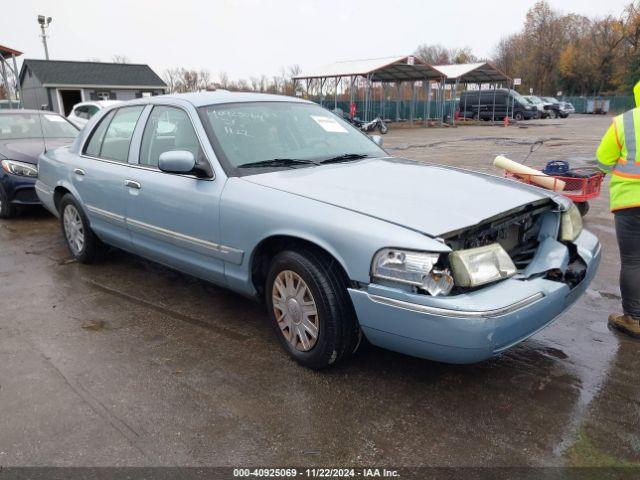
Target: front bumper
pixel 470 327
pixel 19 190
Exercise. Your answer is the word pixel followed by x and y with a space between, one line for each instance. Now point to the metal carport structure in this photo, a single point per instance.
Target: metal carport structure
pixel 471 73
pixel 387 70
pixel 7 53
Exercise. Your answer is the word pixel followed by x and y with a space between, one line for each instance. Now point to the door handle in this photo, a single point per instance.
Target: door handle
pixel 132 184
pixel 78 171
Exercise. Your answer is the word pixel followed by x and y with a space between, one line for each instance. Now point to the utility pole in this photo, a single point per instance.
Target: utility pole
pixel 44 23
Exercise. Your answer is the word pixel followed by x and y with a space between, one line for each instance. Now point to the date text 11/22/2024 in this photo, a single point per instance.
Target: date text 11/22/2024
pixel 315 472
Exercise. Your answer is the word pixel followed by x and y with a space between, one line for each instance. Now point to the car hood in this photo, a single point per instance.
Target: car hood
pixel 428 198
pixel 27 150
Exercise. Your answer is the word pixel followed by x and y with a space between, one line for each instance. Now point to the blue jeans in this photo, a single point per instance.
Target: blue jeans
pixel 628 234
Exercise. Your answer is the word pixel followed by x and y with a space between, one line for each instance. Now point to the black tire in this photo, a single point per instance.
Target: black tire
pixel 583 208
pixel 7 210
pixel 338 330
pixel 519 116
pixel 382 128
pixel 92 249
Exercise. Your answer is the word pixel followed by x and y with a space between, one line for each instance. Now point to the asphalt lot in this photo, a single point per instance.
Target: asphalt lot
pixel 129 363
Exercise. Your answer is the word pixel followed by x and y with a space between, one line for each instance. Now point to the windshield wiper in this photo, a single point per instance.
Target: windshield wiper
pixel 344 158
pixel 276 162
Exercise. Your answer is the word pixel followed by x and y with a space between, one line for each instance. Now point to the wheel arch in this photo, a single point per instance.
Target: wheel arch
pixel 59 192
pixel 270 246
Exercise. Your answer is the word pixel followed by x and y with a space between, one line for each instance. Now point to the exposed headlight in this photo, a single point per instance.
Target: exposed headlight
pixel 528 107
pixel 477 266
pixel 412 268
pixel 570 224
pixel 19 168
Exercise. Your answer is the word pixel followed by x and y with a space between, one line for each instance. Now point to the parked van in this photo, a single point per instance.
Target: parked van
pixel 494 104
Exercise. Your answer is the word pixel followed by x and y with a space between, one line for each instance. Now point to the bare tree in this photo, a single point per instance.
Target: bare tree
pixel 433 54
pixel 118 58
pixel 243 86
pixel 204 78
pixel 223 80
pixel 439 55
pixel 11 80
pixel 171 77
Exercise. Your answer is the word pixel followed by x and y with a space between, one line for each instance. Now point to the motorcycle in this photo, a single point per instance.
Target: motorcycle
pixel 376 123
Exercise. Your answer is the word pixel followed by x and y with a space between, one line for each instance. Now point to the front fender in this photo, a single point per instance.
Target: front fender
pixel 251 213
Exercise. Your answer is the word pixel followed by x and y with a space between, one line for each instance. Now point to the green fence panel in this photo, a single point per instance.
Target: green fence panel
pixel 617 103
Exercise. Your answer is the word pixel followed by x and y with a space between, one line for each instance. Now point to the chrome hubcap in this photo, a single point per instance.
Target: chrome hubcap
pixel 73 229
pixel 295 310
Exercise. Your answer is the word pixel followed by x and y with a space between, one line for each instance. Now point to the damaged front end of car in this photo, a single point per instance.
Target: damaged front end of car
pixel 499 282
pixel 537 238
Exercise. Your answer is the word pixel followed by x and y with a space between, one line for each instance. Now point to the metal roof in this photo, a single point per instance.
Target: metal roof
pixel 387 69
pixel 7 52
pixel 63 72
pixel 472 72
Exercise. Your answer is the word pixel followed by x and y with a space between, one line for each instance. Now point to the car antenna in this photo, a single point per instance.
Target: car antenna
pixel 44 142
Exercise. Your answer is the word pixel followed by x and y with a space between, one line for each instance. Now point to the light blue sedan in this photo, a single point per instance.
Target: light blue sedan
pixel 282 201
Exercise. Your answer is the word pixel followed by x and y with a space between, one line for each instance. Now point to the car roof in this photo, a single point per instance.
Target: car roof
pixel 17 111
pixel 200 99
pixel 101 103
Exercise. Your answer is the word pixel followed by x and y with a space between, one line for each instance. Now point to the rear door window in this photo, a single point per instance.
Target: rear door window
pixel 95 142
pixel 92 110
pixel 82 112
pixel 117 139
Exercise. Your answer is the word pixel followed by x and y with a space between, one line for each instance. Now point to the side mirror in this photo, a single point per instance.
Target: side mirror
pixel 377 139
pixel 176 161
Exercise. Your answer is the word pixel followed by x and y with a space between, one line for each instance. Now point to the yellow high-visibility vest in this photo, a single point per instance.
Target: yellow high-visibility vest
pixel 618 154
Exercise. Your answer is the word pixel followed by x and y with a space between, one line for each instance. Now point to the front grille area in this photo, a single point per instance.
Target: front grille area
pixel 27 195
pixel 517 232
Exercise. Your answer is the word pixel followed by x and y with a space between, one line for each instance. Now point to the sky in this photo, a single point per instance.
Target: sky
pixel 246 38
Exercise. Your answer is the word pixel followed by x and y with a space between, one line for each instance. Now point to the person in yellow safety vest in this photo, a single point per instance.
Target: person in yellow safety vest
pixel 619 155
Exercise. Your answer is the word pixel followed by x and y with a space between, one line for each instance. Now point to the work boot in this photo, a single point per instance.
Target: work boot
pixel 626 324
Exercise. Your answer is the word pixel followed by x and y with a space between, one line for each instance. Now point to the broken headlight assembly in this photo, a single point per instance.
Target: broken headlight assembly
pixel 478 266
pixel 412 268
pixel 570 224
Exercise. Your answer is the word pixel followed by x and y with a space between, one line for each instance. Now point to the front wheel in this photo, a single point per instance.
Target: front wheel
pixel 306 294
pixel 82 243
pixel 382 127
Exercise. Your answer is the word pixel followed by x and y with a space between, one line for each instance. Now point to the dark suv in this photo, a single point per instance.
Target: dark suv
pixel 495 105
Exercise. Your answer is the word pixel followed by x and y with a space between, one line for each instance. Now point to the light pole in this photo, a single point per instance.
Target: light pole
pixel 44 23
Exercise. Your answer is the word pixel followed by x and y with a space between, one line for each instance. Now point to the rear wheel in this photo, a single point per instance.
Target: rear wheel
pixel 518 116
pixel 7 210
pixel 82 243
pixel 306 294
